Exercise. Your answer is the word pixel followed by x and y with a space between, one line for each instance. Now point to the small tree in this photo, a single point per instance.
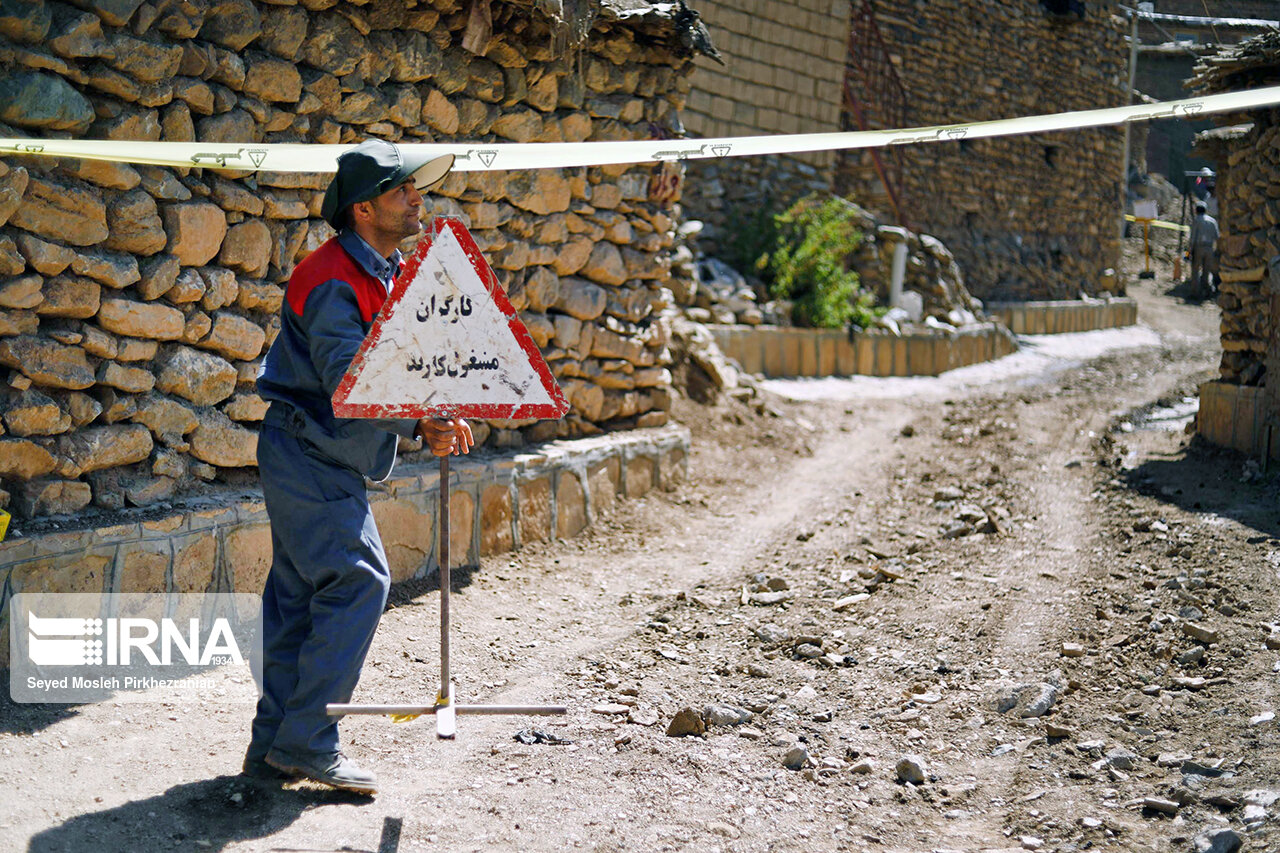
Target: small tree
pixel 808 264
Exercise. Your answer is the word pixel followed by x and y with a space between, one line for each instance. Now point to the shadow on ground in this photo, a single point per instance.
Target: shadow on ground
pixel 1186 292
pixel 407 593
pixel 1206 478
pixel 205 815
pixel 26 718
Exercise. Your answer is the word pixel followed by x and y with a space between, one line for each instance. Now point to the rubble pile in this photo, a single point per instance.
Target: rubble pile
pixel 717 293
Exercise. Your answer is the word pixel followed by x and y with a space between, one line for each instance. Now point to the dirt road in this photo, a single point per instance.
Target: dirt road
pixel 1013 589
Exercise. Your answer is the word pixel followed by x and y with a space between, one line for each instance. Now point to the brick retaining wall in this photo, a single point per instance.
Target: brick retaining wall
pixel 1059 317
pixel 782 352
pixel 1235 416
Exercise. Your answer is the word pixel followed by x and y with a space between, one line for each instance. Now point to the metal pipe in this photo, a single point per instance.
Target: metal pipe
pixel 1128 99
pixel 898 272
pixel 444 577
pixel 338 710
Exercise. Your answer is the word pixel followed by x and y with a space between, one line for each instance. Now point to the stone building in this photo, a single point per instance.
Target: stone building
pixel 136 302
pixel 1242 410
pixel 1026 217
pixel 783 72
pixel 1170 43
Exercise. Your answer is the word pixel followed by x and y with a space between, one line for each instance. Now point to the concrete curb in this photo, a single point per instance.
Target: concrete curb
pixel 1063 316
pixel 778 352
pixel 1235 416
pixel 497 504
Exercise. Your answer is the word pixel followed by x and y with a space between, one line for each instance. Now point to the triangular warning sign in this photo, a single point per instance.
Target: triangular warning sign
pixel 447 343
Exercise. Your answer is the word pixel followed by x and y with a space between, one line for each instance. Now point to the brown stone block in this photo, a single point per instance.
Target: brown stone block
pixel 1037 321
pixel 66 214
pixel 535 511
pixel 496 534
pixel 792 344
pixel 407 532
pixel 883 358
pixel 864 347
pixel 845 354
pixel 1242 437
pixel 962 354
pixel 900 366
pixel 195 558
pixel 807 352
pixel 603 480
pixel 143 566
pixel 462 508
pixel 642 475
pixel 571 506
pixel 741 345
pixel 62 573
pixel 246 553
pixel 920 356
pixel 1017 322
pixel 771 346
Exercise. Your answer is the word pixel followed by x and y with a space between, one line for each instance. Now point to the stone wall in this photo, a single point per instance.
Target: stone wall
pixel 495 504
pixel 783 73
pixel 136 302
pixel 1247 158
pixel 1028 217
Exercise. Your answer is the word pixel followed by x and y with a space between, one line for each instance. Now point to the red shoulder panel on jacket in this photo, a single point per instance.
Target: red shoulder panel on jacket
pixel 327 263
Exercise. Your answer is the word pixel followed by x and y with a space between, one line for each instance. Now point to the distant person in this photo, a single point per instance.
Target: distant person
pixel 1204 252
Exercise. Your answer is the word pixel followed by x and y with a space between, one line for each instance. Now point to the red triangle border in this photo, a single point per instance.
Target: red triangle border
pixel 554 410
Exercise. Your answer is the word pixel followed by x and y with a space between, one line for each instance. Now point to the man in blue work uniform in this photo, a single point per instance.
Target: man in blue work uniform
pixel 329 578
pixel 1204 252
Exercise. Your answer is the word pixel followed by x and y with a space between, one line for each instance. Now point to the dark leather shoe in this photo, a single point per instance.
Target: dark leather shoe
pixel 256 768
pixel 335 770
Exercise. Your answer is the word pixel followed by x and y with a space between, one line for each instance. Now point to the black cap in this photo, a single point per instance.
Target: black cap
pixel 373 167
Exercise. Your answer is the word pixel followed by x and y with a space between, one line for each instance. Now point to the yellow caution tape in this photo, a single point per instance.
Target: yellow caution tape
pixel 470 157
pixel 1157 223
pixel 404 718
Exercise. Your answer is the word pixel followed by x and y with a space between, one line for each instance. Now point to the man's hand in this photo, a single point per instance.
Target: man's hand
pixel 444 436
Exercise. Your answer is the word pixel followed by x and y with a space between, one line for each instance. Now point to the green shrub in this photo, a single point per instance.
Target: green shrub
pixel 807 264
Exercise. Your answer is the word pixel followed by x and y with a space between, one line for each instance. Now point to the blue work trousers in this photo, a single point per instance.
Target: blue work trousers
pixel 324 594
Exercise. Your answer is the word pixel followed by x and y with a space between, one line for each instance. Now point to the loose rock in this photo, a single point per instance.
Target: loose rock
pixel 686 722
pixel 911 769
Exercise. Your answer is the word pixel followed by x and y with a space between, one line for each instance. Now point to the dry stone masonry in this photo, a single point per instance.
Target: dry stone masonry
pixel 784 66
pixel 136 302
pixel 1246 154
pixel 1028 217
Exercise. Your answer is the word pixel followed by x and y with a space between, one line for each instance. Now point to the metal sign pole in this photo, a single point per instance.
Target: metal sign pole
pixel 444 708
pixel 445 727
pixel 504 377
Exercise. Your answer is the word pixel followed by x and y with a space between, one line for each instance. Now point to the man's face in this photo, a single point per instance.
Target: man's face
pixel 395 214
